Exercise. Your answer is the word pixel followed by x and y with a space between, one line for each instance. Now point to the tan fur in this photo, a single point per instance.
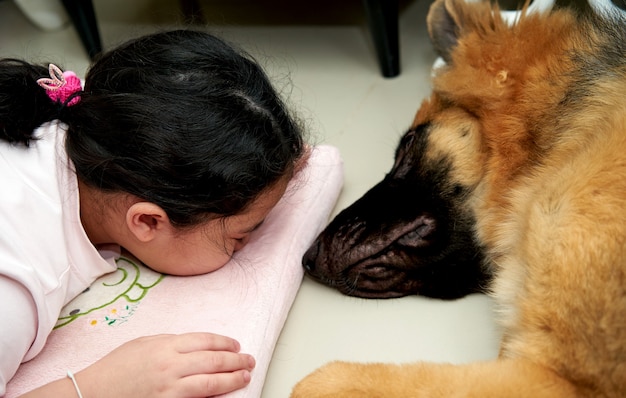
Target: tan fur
pixel 548 185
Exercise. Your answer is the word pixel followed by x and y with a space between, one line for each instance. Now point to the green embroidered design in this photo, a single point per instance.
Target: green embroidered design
pixel 128 284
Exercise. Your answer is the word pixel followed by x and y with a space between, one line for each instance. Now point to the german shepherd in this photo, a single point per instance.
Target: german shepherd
pixel 526 127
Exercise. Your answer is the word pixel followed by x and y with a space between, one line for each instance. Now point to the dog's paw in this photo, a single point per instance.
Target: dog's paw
pixel 336 380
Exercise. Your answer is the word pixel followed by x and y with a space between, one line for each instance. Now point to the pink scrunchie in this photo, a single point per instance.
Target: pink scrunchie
pixel 61 85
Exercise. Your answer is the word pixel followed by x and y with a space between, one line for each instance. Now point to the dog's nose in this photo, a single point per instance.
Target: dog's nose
pixel 310 257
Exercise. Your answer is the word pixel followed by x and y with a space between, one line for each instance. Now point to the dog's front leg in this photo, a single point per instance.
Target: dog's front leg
pixel 496 379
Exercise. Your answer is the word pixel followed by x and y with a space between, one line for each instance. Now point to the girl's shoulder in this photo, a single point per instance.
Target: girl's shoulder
pixel 36 165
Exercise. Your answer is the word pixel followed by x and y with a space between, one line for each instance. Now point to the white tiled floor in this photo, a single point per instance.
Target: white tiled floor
pixel 330 76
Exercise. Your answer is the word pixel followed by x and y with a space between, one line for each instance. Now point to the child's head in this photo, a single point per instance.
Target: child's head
pixel 177 119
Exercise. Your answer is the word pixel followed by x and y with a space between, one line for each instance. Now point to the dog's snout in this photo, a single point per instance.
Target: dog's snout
pixel 310 257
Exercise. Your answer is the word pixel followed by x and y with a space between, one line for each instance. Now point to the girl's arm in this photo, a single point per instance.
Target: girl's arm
pixel 18 330
pixel 186 365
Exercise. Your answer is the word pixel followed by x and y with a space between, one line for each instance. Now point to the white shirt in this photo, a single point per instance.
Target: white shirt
pixel 46 258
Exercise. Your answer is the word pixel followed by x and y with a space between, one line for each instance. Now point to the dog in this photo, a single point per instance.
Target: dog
pixel 529 120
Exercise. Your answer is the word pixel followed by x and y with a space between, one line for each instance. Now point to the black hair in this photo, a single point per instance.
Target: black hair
pixel 180 119
pixel 24 105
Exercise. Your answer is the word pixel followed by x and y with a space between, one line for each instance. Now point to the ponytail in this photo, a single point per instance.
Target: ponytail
pixel 24 105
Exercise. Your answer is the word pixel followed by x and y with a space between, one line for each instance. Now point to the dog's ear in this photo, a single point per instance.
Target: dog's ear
pixel 443 28
pixel 449 20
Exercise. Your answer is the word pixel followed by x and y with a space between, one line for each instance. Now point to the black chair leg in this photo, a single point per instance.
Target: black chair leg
pixel 192 12
pixel 83 17
pixel 382 18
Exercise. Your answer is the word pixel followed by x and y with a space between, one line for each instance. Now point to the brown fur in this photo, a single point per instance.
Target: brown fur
pixel 533 119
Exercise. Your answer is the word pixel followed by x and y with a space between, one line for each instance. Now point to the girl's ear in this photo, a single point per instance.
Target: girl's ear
pixel 145 220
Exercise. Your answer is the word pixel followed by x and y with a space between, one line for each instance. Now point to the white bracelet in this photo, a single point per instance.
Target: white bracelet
pixel 71 376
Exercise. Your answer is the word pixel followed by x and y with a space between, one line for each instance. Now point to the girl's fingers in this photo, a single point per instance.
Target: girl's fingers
pixel 202 386
pixel 207 362
pixel 191 342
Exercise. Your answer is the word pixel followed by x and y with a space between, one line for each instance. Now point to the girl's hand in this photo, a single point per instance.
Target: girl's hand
pixel 187 365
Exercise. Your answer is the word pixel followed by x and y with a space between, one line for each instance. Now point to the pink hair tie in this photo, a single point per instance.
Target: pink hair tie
pixel 61 85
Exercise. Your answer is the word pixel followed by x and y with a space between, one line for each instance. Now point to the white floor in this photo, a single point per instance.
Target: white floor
pixel 327 68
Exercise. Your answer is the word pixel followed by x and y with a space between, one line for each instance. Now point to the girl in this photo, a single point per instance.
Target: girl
pixel 176 150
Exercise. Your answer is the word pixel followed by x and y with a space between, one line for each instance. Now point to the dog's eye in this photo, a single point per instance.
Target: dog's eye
pixel 405 144
pixel 408 139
